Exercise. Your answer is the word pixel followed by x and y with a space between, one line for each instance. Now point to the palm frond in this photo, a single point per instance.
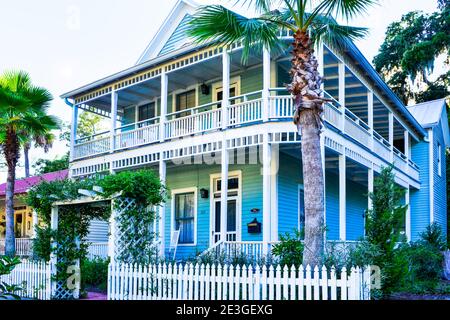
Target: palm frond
pixel 347 8
pixel 216 24
pixel 327 30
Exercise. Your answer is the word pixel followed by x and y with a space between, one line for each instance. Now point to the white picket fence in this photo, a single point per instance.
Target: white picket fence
pixel 224 282
pixel 24 246
pixel 34 277
pixel 98 250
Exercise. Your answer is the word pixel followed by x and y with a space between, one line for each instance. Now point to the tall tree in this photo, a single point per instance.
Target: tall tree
pixel 407 56
pixel 45 141
pixel 23 114
pixel 310 22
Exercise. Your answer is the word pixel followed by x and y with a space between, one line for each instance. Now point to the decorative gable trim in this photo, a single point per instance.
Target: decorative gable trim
pixel 170 24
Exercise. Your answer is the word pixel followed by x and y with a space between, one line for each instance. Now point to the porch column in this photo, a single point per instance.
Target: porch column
pixel 114 99
pixel 391 134
pixel 407 150
pixel 224 191
pixel 408 216
pixel 274 166
pixel 73 130
pixel 370 117
pixel 226 87
pixel 342 197
pixel 164 93
pixel 35 222
pixel 266 84
pixel 370 177
pixel 112 233
pixel 266 223
pixel 53 256
pixel 341 74
pixel 162 208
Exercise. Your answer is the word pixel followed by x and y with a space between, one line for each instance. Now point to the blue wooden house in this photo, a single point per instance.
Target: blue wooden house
pixel 199 116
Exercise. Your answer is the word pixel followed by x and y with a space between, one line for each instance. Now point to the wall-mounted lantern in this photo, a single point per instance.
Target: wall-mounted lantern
pixel 204 89
pixel 204 194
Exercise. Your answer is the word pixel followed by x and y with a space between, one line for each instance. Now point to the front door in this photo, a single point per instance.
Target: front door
pixel 232 220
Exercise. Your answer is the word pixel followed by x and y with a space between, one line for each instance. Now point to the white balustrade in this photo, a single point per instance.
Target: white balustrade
pixel 24 246
pixel 332 115
pixel 281 107
pixel 354 128
pixel 144 135
pixel 193 124
pixel 98 250
pixel 90 148
pixel 245 112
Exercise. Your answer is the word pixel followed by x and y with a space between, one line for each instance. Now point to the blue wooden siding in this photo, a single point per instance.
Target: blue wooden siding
pixel 178 37
pixel 98 231
pixel 198 176
pixel 440 188
pixel 356 205
pixel 332 205
pixel 419 199
pixel 289 178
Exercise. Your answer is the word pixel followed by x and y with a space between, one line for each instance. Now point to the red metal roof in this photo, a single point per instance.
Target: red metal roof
pixel 22 185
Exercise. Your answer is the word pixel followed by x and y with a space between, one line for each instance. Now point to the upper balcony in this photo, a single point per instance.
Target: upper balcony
pixel 187 99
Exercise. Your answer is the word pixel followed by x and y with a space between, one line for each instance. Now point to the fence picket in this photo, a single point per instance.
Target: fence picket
pixel 210 282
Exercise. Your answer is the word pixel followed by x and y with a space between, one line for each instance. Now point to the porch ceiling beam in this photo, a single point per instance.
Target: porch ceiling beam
pixel 333 77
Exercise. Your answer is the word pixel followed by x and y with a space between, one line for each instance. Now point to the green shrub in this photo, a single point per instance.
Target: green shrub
pixel 94 274
pixel 289 250
pixel 7 290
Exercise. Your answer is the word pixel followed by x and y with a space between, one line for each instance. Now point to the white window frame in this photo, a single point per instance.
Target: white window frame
pixel 172 212
pixel 235 82
pixel 212 178
pixel 175 93
pixel 439 159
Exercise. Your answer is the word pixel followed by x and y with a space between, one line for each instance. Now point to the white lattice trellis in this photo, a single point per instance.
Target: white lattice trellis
pixel 128 235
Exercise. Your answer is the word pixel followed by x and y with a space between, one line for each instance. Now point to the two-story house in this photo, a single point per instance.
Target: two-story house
pixel 199 116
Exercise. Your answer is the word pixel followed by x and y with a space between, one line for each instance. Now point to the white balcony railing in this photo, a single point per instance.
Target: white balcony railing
pixel 137 134
pixel 244 109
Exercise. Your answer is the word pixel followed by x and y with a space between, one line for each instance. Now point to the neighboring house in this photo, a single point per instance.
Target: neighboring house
pixel 25 217
pixel 198 116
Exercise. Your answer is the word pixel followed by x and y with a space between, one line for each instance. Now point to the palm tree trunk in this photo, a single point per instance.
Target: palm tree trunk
pixel 11 153
pixel 26 150
pixel 305 88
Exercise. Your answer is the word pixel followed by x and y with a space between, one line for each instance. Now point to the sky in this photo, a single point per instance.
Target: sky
pixel 66 44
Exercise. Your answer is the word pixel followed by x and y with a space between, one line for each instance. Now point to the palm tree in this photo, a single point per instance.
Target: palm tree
pixel 310 22
pixel 44 141
pixel 23 108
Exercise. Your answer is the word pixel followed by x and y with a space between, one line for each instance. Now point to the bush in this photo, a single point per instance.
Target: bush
pixel 289 250
pixel 94 274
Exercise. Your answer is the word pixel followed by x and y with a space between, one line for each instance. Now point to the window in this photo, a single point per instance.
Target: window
pixel 146 111
pixel 301 211
pixel 184 217
pixel 185 100
pixel 439 159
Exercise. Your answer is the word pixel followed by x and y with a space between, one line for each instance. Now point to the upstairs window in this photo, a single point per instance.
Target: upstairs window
pixel 146 111
pixel 185 101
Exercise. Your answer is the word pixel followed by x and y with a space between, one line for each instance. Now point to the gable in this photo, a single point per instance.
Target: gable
pixel 172 33
pixel 179 38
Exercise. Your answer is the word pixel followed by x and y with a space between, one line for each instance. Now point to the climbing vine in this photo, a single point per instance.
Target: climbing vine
pixel 142 189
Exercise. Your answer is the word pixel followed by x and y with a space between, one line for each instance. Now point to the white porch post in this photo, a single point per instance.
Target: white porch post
pixel 164 93
pixel 162 208
pixel 73 131
pixel 225 87
pixel 35 222
pixel 274 166
pixel 370 178
pixel 224 191
pixel 408 215
pixel 266 84
pixel 114 99
pixel 112 233
pixel 342 197
pixel 266 223
pixel 370 116
pixel 53 256
pixel 341 74
pixel 407 150
pixel 391 134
